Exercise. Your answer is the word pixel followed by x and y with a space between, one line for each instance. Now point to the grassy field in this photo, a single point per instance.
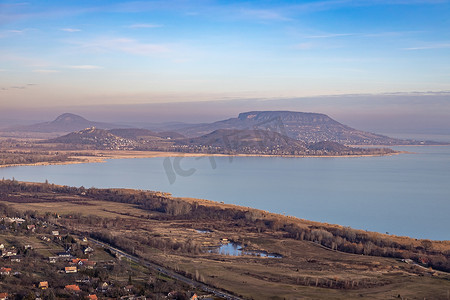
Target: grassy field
pixel 265 278
pixel 307 270
pixel 76 205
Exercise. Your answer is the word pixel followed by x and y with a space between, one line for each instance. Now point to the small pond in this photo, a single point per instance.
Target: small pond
pixel 203 230
pixel 235 249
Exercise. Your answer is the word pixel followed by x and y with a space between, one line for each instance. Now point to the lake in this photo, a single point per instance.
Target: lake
pixel 407 194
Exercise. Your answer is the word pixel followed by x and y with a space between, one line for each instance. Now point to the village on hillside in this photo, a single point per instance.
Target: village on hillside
pixel 38 260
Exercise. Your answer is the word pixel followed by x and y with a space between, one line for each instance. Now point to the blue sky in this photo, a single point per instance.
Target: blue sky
pixel 114 52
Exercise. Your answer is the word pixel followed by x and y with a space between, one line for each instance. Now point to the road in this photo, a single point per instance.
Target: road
pixel 167 272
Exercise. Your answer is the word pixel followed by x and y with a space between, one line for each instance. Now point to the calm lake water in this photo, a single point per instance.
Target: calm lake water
pixel 235 249
pixel 407 194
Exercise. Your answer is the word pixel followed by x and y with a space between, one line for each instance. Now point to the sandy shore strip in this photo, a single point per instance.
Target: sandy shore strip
pixel 100 156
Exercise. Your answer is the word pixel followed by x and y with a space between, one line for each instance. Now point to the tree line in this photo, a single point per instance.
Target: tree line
pixel 338 238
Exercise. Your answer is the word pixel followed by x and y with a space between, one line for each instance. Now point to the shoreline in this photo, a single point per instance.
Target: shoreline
pixel 103 156
pixel 409 145
pixel 269 214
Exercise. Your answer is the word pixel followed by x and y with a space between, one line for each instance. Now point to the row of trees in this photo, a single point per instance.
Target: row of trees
pixel 31 157
pixel 334 237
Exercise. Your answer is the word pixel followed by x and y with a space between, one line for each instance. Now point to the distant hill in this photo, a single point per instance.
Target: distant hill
pixel 171 135
pixel 328 146
pixel 306 127
pixel 165 126
pixel 64 123
pixel 98 138
pixel 114 139
pixel 144 134
pixel 244 141
pixel 234 141
pixel 134 133
pixel 223 141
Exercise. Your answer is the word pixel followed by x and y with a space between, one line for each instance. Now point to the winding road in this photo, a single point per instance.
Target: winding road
pixel 167 272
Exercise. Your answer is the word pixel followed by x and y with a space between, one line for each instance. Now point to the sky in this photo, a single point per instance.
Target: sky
pixel 113 53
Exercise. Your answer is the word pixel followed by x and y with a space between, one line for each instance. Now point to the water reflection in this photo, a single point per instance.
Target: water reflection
pixel 236 249
pixel 203 230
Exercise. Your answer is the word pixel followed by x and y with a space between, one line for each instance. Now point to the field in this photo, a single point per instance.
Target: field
pixel 307 269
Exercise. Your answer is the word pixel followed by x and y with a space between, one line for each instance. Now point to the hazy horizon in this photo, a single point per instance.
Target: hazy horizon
pixel 420 114
pixel 203 61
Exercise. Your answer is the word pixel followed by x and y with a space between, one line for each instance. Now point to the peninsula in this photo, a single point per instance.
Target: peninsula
pixel 75 139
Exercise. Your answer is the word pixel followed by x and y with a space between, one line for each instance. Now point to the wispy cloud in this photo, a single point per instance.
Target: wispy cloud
pixel 85 67
pixel 45 71
pixel 126 45
pixel 328 35
pixel 430 46
pixel 313 44
pixel 362 34
pixel 70 29
pixel 16 31
pixel 145 25
pixel 265 14
pixel 13 32
pixel 392 33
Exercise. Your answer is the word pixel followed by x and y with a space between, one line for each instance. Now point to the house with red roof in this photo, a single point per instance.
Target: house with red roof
pixel 72 288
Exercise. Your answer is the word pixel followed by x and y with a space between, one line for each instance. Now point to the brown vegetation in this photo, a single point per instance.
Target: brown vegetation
pixel 31 157
pixel 340 238
pixel 161 228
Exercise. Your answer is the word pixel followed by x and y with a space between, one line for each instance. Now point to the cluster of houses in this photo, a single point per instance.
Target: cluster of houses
pixel 19 221
pixel 72 265
pixel 69 263
pixel 11 253
pixel 76 263
pixel 5 271
pixel 43 285
pixel 9 220
pixel 4 221
pixel 54 234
